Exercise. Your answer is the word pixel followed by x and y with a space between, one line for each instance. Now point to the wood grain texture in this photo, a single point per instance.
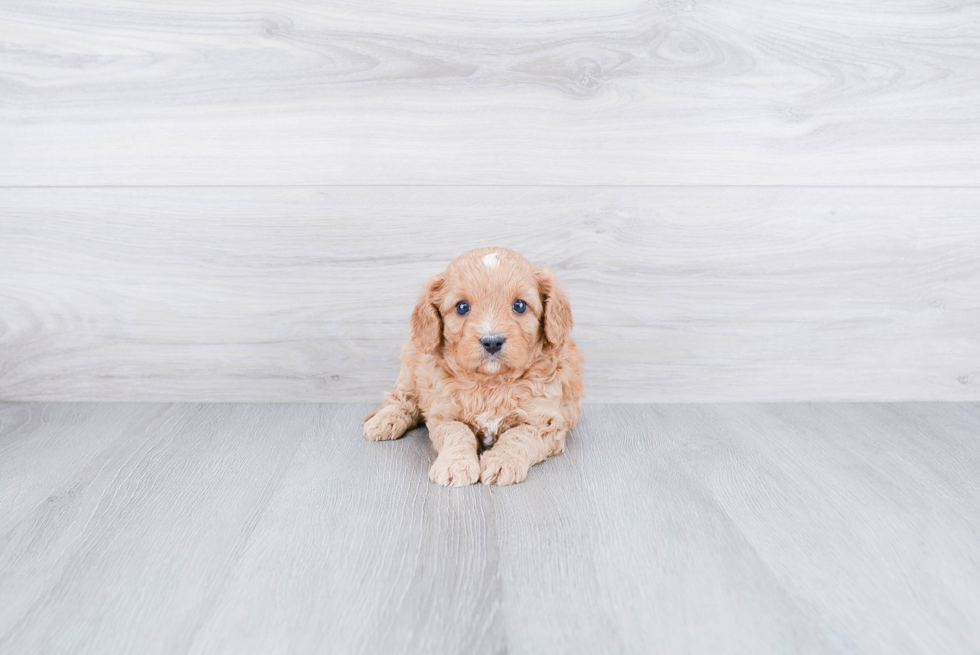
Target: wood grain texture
pixel 359 553
pixel 132 548
pixel 615 548
pixel 573 92
pixel 893 507
pixel 789 528
pixel 303 294
pixel 32 434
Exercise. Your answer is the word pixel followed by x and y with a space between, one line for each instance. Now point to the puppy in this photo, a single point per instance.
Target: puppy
pixel 490 368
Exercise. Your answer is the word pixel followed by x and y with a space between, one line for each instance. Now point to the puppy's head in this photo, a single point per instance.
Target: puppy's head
pixel 491 312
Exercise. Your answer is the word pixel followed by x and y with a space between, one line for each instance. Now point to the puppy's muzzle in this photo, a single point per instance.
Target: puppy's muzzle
pixel 492 343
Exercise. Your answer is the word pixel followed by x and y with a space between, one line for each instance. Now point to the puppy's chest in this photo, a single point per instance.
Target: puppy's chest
pixel 490 415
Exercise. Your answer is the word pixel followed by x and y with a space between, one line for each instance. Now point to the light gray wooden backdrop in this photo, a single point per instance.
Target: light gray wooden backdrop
pixel 240 201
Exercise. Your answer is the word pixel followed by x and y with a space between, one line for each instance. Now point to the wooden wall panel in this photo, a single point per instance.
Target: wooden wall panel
pixel 124 92
pixel 230 201
pixel 303 293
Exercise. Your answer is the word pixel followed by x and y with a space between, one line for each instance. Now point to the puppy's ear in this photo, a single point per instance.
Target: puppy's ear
pixel 557 316
pixel 426 320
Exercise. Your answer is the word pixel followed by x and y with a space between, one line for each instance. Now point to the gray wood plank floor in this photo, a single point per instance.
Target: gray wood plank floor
pixel 811 528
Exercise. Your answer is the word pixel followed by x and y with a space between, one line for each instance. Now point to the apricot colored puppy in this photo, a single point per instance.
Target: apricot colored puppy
pixel 490 369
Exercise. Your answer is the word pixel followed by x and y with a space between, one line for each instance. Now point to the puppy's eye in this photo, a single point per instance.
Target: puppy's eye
pixel 520 306
pixel 462 308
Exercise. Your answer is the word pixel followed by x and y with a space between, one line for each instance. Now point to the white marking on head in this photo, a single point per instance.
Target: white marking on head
pixel 492 366
pixel 491 260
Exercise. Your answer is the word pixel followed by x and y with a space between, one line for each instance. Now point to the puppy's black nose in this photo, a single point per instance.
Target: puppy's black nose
pixel 493 343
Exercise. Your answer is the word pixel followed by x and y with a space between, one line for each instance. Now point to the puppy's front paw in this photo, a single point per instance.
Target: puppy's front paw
pixel 456 469
pixel 390 422
pixel 501 468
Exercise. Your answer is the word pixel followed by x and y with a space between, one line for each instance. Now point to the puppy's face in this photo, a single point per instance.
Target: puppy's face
pixel 491 313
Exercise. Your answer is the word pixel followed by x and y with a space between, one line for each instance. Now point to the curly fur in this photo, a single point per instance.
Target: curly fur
pixel 490 417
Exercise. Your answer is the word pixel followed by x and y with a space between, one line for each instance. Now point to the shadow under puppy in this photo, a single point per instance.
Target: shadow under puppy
pixel 490 368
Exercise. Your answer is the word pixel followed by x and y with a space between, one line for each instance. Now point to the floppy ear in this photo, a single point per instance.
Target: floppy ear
pixel 426 320
pixel 557 316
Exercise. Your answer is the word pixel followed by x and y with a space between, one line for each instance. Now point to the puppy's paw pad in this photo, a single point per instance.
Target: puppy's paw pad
pixel 500 469
pixel 456 470
pixel 389 423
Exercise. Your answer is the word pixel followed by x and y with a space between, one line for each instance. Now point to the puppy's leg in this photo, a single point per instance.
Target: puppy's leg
pixel 398 414
pixel 517 450
pixel 457 463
